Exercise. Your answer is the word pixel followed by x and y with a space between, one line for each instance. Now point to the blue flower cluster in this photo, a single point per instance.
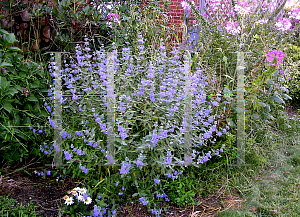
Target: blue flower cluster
pixel 126 165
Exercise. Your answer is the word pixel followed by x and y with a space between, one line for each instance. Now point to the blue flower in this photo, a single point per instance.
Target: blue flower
pixel 168 158
pixel 156 181
pixel 97 212
pixel 85 196
pixel 64 135
pixel 48 172
pixel 79 133
pixel 208 154
pixel 74 97
pixel 215 103
pixel 143 200
pixel 125 168
pixel 85 170
pixel 48 108
pixel 67 155
pixel 79 152
pixel 139 163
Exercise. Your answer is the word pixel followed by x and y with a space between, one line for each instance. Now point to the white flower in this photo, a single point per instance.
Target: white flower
pixel 82 190
pixel 76 189
pixel 80 198
pixel 69 201
pixel 262 21
pixel 74 193
pixel 66 197
pixel 88 200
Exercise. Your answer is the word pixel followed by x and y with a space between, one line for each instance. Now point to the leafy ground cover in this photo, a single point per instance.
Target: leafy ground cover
pixel 268 188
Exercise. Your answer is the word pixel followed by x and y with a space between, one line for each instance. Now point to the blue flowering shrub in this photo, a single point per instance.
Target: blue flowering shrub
pixel 150 134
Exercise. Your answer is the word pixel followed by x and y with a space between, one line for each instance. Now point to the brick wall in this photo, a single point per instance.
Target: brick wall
pixel 176 14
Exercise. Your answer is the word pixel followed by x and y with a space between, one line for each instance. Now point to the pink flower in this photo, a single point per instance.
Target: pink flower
pixel 275 55
pixel 186 6
pixel 243 7
pixel 233 28
pixel 295 13
pixel 116 17
pixel 283 24
pixel 272 6
pixel 215 4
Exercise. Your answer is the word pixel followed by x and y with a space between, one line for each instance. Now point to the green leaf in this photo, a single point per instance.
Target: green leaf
pixel 22 67
pixel 33 99
pixel 9 39
pixel 2 31
pixel 12 91
pixel 225 59
pixel 22 74
pixel 4 83
pixel 19 88
pixel 287 96
pixel 129 115
pixel 276 98
pixel 14 49
pixel 5 64
pixel 255 116
pixel 17 120
pixel 35 84
pixel 262 104
pixel 7 106
pixel 26 120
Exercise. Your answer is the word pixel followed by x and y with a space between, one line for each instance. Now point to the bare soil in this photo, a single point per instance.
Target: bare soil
pixel 47 195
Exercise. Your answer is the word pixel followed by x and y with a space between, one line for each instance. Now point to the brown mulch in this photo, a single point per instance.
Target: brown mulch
pixel 47 195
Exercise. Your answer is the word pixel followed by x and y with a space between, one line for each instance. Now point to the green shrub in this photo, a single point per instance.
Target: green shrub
pixel 293 74
pixel 22 85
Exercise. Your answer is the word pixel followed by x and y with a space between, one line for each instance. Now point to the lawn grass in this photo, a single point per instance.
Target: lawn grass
pixel 11 207
pixel 272 187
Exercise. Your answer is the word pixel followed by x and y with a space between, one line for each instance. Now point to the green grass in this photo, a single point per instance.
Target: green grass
pixel 272 187
pixel 10 207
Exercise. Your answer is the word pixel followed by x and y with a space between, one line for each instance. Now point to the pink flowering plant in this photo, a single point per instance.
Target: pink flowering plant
pixel 261 30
